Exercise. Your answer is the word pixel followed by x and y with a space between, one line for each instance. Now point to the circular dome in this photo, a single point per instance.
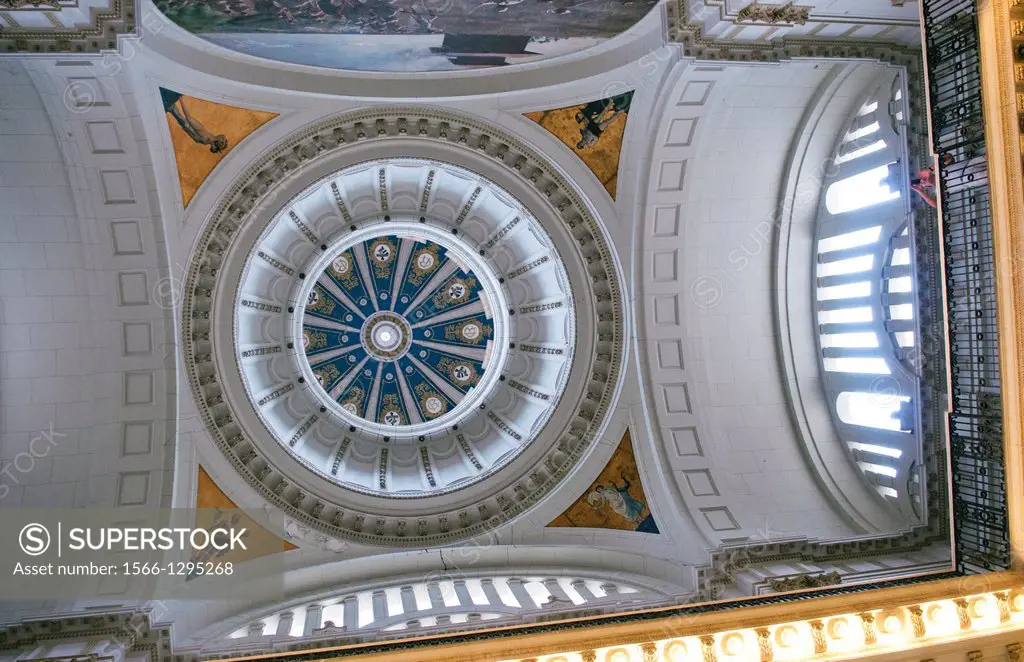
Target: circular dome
pixel 404 329
pixel 400 343
pixel 457 267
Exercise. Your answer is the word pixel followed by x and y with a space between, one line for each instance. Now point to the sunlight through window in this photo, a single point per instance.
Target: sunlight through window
pixel 858 191
pixel 845 315
pixel 875 449
pixel 858 364
pixel 900 257
pixel 861 132
pixel 850 265
pixel 848 291
pixel 850 239
pixel 902 311
pixel 901 284
pixel 880 469
pixel 860 151
pixel 873 410
pixel 863 339
pixel 867 108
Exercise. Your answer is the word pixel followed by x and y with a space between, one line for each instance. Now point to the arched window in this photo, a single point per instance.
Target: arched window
pixel 437 603
pixel 864 298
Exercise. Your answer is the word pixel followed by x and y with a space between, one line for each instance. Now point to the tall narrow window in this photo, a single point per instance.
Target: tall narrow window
pixel 884 411
pixel 864 189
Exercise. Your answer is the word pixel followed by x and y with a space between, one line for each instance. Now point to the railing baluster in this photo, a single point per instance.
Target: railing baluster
pixel 975 421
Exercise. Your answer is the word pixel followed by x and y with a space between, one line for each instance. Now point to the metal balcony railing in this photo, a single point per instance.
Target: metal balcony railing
pixel 952 49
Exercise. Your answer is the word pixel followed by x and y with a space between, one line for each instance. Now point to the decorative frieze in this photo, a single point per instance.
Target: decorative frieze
pixel 787 13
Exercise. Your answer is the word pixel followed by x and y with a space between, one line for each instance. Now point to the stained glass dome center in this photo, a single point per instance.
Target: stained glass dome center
pixel 399 328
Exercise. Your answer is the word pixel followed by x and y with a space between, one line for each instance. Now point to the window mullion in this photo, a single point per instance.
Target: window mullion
pixel 844 279
pixel 888 214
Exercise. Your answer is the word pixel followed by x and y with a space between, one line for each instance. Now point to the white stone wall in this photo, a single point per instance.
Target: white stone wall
pixel 84 340
pixel 47 337
pixel 728 272
pixel 706 324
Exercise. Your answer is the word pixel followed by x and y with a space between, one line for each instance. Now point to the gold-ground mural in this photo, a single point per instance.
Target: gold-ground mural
pixel 594 131
pixel 203 133
pixel 615 500
pixel 215 509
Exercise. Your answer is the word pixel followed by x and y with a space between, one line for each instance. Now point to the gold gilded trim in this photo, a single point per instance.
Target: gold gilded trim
pixel 702 634
pixel 1003 143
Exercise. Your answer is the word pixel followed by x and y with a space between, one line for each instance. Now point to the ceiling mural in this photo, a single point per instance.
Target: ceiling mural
pixel 615 500
pixel 211 512
pixel 407 35
pixel 203 133
pixel 397 331
pixel 593 131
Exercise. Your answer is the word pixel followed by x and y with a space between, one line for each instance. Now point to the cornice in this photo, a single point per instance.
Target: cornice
pixel 105 28
pixel 695 44
pixel 927 613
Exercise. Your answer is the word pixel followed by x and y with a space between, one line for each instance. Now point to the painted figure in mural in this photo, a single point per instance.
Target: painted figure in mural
pixel 174 104
pixel 618 499
pixel 595 117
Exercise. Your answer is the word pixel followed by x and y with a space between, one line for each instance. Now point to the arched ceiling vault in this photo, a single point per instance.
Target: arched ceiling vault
pixel 700 391
pixel 706 316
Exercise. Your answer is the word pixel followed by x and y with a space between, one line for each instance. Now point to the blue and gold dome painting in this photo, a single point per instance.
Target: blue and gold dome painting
pixel 315 339
pixel 322 303
pixel 396 331
pixel 470 331
pixel 459 291
pixel 343 274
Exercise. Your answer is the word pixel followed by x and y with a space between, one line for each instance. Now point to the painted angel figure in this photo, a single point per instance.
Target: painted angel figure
pixel 618 499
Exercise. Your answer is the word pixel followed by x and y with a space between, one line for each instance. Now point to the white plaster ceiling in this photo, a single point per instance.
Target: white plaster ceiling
pixel 700 389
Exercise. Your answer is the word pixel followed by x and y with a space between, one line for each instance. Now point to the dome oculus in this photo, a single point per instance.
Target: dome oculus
pixel 397 329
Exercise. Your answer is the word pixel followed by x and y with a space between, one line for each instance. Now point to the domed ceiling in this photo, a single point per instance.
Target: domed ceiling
pixel 422 343
pixel 404 342
pixel 407 35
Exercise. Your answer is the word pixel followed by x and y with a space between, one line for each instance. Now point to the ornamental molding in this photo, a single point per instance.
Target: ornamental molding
pixel 691 35
pixel 918 617
pixel 787 13
pixel 101 34
pixel 14 5
pixel 799 582
pixel 255 190
pixel 726 562
pixel 127 634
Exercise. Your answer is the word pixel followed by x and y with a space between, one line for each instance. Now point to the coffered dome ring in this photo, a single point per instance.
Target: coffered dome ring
pixel 214 286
